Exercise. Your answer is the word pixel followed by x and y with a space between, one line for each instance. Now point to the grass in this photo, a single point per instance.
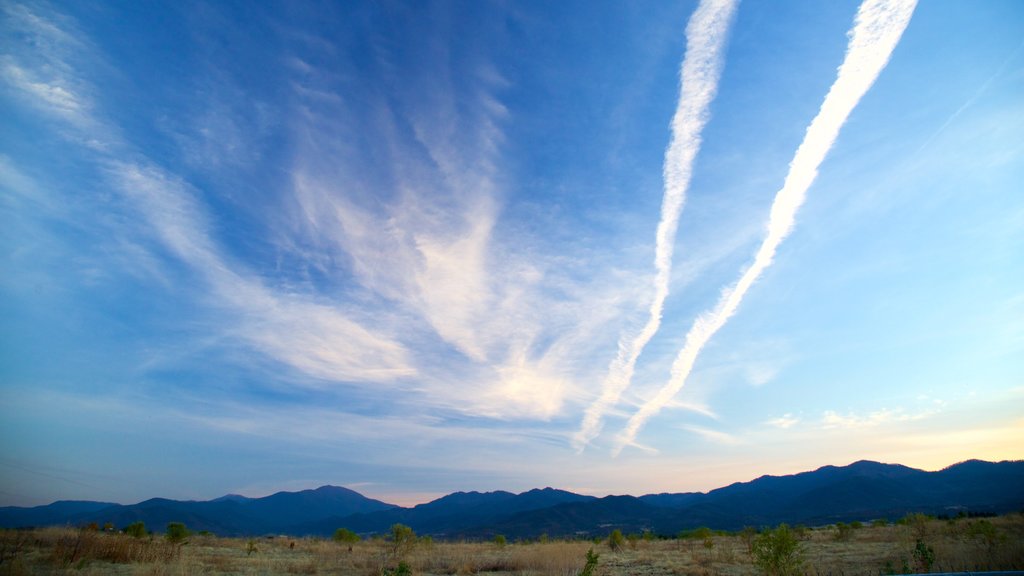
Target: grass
pixel 962 544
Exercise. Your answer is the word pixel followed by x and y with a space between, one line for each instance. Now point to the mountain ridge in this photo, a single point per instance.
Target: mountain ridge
pixel 862 490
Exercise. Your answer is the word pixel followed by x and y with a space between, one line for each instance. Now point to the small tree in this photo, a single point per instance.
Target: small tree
pixel 345 536
pixel 499 539
pixel 135 530
pixel 176 533
pixel 616 541
pixel 778 552
pixel 402 538
pixel 591 565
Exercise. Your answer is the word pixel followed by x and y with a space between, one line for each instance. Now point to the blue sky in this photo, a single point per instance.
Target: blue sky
pixel 418 248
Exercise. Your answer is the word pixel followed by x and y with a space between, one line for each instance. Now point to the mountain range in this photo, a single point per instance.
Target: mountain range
pixel 862 491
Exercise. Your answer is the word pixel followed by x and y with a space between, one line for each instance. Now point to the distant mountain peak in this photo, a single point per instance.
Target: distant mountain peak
pixel 231 498
pixel 332 488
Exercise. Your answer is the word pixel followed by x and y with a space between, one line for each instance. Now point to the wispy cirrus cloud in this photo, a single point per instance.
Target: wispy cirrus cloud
pixel 315 338
pixel 877 29
pixel 701 68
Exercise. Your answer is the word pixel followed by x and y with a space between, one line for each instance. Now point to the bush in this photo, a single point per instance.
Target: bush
pixel 843 531
pixel 616 541
pixel 403 569
pixel 924 556
pixel 778 552
pixel 985 535
pixel 591 565
pixel 500 540
pixel 918 524
pixel 176 533
pixel 135 530
pixel 345 536
pixel 402 538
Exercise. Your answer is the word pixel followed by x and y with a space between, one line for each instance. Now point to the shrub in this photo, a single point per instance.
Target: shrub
pixel 345 536
pixel 924 556
pixel 135 530
pixel 500 540
pixel 176 533
pixel 591 565
pixel 402 538
pixel 616 541
pixel 879 522
pixel 985 534
pixel 778 552
pixel 918 524
pixel 843 531
pixel 702 533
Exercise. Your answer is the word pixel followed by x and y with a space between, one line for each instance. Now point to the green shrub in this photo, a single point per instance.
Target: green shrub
pixel 924 557
pixel 500 540
pixel 778 552
pixel 616 541
pixel 135 530
pixel 591 565
pixel 843 531
pixel 176 533
pixel 345 536
pixel 403 569
pixel 402 538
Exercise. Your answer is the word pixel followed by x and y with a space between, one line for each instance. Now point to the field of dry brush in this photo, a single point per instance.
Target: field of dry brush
pixel 870 550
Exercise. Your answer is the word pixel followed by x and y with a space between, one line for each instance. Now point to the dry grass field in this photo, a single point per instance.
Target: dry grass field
pixel 954 545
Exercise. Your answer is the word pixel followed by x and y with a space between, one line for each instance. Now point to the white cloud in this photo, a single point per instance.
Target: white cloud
pixel 700 70
pixel 878 26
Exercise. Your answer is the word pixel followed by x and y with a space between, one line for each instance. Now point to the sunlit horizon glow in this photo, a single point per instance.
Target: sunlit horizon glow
pixel 413 250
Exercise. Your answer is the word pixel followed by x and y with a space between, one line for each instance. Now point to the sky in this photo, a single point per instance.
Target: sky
pixel 416 248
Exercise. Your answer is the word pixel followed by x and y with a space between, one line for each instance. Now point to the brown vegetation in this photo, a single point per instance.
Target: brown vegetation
pixel 954 545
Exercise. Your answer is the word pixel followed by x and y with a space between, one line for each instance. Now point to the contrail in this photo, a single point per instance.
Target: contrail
pixel 706 33
pixel 876 32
